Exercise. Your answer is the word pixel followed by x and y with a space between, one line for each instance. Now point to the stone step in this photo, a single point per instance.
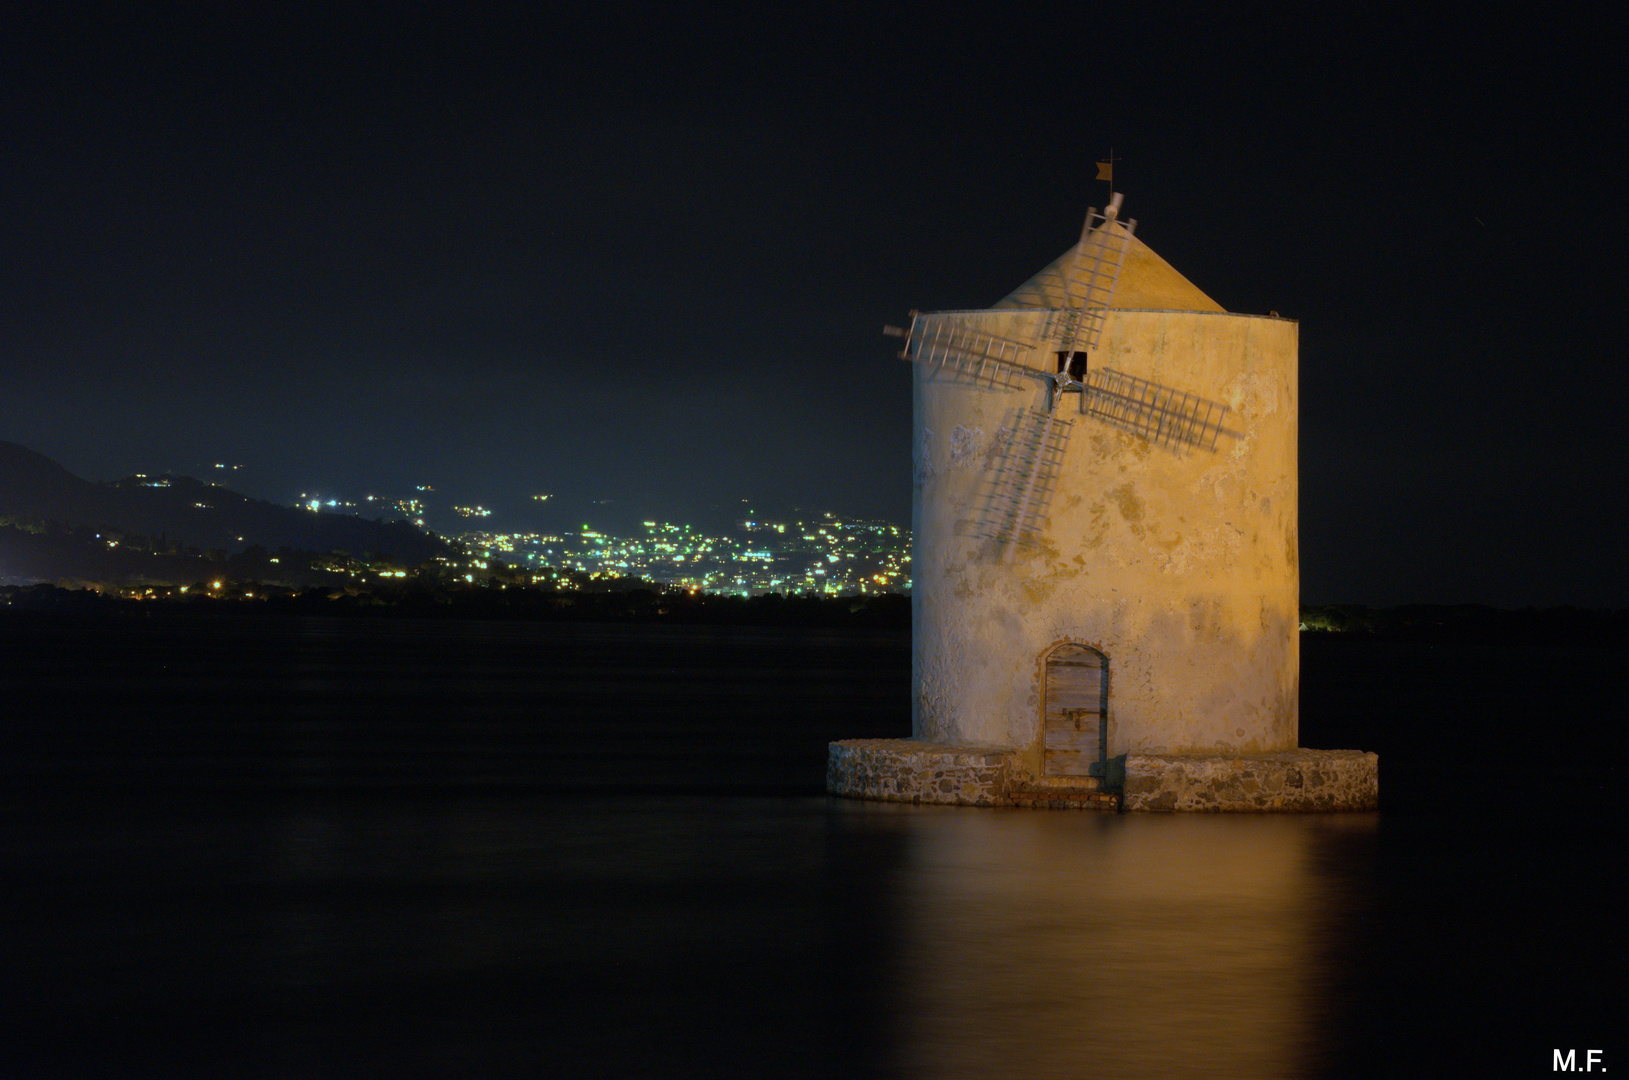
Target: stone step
pixel 1062 783
pixel 1060 797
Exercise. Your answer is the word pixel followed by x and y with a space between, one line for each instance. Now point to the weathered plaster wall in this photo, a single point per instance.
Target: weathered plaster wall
pixel 1179 565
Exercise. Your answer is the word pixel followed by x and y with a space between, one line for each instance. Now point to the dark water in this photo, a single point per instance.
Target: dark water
pixel 335 848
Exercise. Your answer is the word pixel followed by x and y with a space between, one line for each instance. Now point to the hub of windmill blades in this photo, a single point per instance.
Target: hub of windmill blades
pixel 1062 382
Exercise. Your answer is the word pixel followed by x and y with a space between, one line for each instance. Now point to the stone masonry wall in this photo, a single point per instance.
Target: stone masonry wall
pixel 1291 780
pixel 1288 781
pixel 904 770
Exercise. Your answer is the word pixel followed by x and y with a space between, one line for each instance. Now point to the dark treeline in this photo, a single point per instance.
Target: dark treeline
pixel 421 598
pixel 54 552
pixel 1469 622
pixel 417 599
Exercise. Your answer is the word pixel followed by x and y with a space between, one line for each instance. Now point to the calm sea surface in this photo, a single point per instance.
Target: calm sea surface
pixel 254 847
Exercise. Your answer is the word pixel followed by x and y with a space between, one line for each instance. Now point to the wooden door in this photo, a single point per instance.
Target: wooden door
pixel 1075 714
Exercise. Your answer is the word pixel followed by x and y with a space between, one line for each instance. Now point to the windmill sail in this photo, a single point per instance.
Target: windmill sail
pixel 1089 286
pixel 1021 486
pixel 1044 461
pixel 956 341
pixel 1160 414
pixel 968 344
pixel 1001 348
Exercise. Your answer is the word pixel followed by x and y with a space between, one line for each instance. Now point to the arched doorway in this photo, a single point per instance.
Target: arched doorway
pixel 1075 711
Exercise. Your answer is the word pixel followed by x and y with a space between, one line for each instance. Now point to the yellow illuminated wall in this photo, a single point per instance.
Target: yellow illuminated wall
pixel 1178 563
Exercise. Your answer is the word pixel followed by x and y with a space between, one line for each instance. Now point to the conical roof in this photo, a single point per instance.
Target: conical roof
pixel 1147 282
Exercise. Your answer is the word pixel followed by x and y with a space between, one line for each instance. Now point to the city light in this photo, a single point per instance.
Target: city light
pixel 837 556
pixel 822 552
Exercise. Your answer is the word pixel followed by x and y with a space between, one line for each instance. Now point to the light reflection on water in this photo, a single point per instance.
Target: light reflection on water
pixel 758 931
pixel 1067 944
pixel 775 936
pixel 422 850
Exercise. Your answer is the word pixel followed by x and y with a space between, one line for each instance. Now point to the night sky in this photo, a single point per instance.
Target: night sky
pixel 649 261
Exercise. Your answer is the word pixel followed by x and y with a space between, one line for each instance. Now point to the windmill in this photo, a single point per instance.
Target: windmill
pixel 1003 349
pixel 1143 646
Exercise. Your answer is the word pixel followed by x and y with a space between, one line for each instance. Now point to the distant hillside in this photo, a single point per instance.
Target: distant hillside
pixel 186 513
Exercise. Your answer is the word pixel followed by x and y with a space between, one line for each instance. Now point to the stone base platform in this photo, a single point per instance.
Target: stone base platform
pixel 904 770
pixel 1289 780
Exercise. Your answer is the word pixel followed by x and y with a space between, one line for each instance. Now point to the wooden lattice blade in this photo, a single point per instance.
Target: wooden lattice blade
pixel 1090 279
pixel 1021 488
pixel 996 348
pixel 1160 414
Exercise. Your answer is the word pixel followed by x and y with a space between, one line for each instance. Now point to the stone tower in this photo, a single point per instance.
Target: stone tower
pixel 1108 606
